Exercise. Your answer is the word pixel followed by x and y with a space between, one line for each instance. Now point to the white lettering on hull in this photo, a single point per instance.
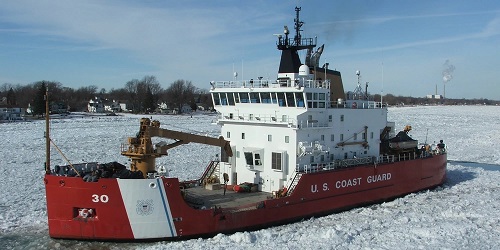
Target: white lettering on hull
pixel 353 182
pixel 377 178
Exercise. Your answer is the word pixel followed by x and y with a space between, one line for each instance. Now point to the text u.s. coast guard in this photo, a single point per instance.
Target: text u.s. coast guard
pixel 345 183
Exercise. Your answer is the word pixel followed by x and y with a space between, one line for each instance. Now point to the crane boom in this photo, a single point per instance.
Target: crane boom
pixel 183 138
pixel 143 155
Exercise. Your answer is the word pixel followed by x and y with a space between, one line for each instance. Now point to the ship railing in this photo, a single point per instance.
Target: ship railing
pixel 346 163
pixel 336 164
pixel 258 118
pixel 266 118
pixel 353 104
pixel 402 157
pixel 281 83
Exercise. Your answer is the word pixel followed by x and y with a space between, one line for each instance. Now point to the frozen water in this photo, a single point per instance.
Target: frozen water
pixel 462 214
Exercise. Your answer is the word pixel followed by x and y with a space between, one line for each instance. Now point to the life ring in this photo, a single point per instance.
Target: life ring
pixel 354 105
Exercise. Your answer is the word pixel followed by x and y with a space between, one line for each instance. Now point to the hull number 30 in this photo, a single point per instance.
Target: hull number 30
pixel 100 198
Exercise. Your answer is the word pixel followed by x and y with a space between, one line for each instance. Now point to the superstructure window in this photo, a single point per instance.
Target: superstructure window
pixel 281 99
pixel 269 137
pixel 274 98
pixel 254 97
pixel 215 97
pixel 276 161
pixel 230 98
pixel 243 136
pixel 223 99
pixel 341 118
pixel 290 100
pixel 287 139
pixel 265 97
pixel 258 162
pixel 330 118
pixel 299 97
pixel 332 137
pixel 228 135
pixel 249 158
pixel 244 98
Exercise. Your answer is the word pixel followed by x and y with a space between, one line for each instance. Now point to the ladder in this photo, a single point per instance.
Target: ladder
pixel 294 183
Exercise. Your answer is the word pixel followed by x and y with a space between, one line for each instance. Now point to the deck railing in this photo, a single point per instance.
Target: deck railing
pixel 346 163
pixel 272 84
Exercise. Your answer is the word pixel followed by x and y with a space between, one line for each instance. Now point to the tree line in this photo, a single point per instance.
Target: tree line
pixel 144 95
pixel 141 96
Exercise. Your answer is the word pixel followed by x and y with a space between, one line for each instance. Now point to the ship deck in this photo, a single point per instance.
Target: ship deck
pixel 200 197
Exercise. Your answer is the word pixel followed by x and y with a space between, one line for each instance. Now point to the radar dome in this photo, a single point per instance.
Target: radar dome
pixel 303 70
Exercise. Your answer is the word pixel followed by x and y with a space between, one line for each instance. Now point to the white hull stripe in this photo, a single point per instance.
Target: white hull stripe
pixel 147 208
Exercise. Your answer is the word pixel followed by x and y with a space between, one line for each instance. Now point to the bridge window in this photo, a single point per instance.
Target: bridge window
pixel 236 98
pixel 274 98
pixel 290 99
pixel 215 97
pixel 265 97
pixel 223 99
pixel 230 98
pixel 254 97
pixel 281 99
pixel 300 99
pixel 244 98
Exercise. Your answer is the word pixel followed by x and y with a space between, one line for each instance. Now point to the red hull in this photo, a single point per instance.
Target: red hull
pixel 155 209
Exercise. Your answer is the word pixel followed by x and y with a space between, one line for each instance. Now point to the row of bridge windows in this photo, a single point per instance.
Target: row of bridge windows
pixel 283 99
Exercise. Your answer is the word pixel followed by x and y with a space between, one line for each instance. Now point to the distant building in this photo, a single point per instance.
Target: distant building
pixel 11 114
pixel 95 105
pixel 100 105
pixel 186 108
pixel 437 97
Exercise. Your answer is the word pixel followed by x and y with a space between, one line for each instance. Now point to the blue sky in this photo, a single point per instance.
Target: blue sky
pixel 400 47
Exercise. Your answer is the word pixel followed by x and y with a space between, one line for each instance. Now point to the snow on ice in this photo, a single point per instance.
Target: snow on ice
pixel 464 213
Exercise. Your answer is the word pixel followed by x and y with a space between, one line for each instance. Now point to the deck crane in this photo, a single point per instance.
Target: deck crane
pixel 143 154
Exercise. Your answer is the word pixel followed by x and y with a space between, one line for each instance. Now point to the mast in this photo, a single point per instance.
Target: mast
pixel 290 61
pixel 47 136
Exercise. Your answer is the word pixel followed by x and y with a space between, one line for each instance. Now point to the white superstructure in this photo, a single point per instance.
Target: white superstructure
pixel 278 127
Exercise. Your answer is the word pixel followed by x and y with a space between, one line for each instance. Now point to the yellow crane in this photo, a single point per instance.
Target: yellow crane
pixel 143 154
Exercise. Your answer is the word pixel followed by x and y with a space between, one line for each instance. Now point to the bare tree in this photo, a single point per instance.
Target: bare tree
pixel 179 93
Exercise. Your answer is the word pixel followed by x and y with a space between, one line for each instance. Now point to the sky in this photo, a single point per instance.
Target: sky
pixel 408 48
